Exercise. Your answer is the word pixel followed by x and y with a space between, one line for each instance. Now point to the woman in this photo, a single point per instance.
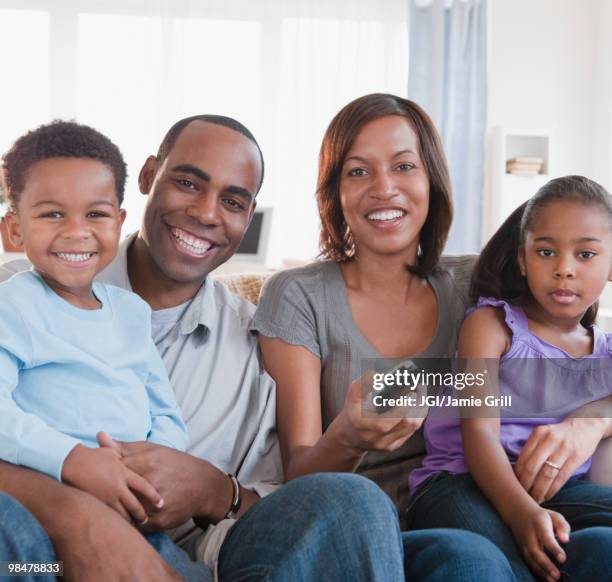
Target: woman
pixel 379 155
pixel 384 292
pixel 383 187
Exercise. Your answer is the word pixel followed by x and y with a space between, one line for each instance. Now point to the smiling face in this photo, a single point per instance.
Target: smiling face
pixel 384 189
pixel 567 258
pixel 68 219
pixel 200 201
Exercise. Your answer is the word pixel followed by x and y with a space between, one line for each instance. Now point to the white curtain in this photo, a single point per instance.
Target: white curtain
pixel 447 77
pixel 132 68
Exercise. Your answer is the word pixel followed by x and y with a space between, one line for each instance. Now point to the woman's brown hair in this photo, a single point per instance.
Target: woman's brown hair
pixel 335 240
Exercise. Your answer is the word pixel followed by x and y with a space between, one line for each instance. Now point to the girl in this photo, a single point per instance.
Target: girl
pixel 537 283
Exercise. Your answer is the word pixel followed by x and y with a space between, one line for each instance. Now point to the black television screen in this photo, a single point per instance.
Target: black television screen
pixel 250 242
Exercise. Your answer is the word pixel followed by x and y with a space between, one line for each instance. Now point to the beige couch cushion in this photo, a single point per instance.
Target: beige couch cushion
pixel 247 285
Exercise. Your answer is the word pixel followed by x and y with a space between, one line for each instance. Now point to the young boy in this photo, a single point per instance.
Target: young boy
pixel 76 357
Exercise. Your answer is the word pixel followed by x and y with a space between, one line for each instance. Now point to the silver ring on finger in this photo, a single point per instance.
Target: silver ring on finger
pixel 553 465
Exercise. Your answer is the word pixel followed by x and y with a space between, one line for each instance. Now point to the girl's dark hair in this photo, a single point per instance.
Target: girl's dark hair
pixel 497 272
pixel 334 241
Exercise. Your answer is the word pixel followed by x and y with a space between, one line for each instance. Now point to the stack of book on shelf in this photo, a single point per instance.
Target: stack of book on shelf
pixel 525 165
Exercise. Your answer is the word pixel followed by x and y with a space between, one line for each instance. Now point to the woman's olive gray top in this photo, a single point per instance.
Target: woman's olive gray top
pixel 309 307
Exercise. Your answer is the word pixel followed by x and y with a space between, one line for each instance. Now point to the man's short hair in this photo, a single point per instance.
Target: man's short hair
pixel 60 139
pixel 172 135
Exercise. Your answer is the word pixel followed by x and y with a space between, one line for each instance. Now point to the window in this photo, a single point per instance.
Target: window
pixel 131 69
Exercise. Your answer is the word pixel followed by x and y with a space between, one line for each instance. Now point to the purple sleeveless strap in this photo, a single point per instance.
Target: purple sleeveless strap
pixel 514 316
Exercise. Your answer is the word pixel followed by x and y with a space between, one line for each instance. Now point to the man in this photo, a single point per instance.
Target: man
pixel 201 190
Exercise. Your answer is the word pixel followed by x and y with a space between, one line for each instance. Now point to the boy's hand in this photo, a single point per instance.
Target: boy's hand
pixel 191 487
pixel 102 473
pixel 536 532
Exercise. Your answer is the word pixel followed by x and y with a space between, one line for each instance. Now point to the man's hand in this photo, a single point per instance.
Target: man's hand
pixel 567 445
pixel 98 546
pixel 92 540
pixel 101 473
pixel 190 487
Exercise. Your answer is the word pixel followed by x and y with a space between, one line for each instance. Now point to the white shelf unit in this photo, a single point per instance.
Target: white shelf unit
pixel 507 191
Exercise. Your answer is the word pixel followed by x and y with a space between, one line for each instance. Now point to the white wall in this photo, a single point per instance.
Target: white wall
pixel 602 133
pixel 549 68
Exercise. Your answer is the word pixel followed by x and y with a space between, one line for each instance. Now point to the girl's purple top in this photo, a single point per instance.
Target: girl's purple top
pixel 558 384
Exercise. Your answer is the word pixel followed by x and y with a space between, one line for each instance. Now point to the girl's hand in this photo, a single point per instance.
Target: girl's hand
pixel 536 531
pixel 102 473
pixel 374 432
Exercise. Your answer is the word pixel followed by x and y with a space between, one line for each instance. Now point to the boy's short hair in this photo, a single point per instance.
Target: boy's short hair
pixel 59 139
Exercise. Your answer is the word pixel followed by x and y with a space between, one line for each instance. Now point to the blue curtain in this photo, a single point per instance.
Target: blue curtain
pixel 447 77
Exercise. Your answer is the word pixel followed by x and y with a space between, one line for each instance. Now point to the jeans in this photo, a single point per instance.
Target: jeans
pixel 320 527
pixel 22 538
pixel 333 526
pixel 455 501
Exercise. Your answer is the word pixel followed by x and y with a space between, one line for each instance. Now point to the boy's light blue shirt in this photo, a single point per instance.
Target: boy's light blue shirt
pixel 67 373
pixel 227 399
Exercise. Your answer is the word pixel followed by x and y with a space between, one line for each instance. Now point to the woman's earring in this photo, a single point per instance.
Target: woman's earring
pixel 349 243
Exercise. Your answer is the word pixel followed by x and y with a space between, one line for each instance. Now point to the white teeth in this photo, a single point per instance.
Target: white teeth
pixel 190 242
pixel 75 257
pixel 385 214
